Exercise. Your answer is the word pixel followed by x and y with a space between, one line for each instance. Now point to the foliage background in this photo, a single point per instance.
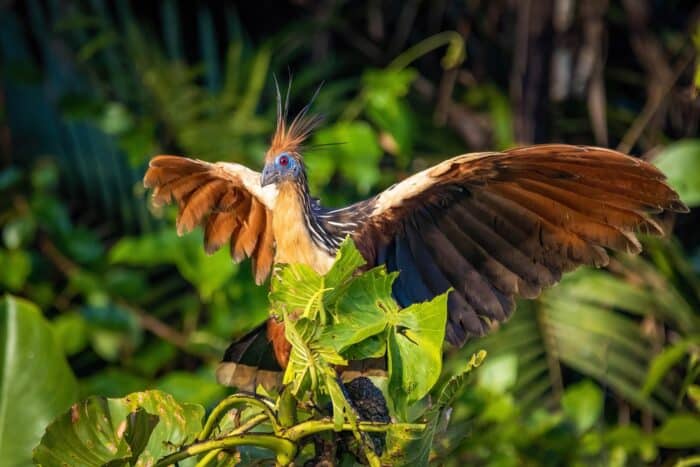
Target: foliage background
pixel 90 90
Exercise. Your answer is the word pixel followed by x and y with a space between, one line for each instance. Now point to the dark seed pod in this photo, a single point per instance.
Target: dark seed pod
pixel 370 405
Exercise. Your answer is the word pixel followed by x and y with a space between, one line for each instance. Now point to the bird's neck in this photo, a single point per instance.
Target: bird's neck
pixel 300 237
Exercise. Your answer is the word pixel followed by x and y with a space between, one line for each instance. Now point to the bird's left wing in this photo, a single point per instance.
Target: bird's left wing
pixel 226 198
pixel 502 224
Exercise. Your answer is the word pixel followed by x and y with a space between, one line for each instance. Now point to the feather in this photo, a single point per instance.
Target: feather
pixel 461 314
pixel 558 214
pixel 506 224
pixel 227 198
pixel 264 253
pixel 409 278
pixel 199 203
pixel 219 228
pixel 460 273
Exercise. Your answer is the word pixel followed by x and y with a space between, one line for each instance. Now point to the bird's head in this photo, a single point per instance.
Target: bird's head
pixel 283 161
pixel 285 166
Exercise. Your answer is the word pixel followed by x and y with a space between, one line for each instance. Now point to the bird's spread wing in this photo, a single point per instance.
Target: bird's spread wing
pixel 503 224
pixel 226 198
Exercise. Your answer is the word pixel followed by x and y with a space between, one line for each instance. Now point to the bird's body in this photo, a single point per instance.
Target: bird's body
pixel 491 226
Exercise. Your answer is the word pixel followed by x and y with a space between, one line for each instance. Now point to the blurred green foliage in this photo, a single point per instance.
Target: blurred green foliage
pixel 602 369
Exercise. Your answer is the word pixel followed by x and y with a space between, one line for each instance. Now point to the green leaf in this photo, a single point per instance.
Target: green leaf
pixel 71 332
pixel 680 162
pixel 85 436
pixel 112 382
pixel 499 373
pixel 36 383
pixel 454 385
pixel 663 362
pixel 191 387
pixel 583 403
pixel 415 348
pixel 679 431
pixel 409 446
pixel 632 439
pixel 147 425
pixel 139 428
pixel 15 267
pixel 298 288
pixel 361 311
pixel 347 260
pixel 356 153
pixel 207 273
pixel 694 395
pixel 308 359
pixel 372 347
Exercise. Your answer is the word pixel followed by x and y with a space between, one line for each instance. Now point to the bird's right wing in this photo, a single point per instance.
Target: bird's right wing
pixel 224 197
pixel 494 226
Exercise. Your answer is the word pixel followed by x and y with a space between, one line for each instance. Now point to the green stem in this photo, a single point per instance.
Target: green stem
pixel 311 427
pixel 210 456
pixel 453 57
pixel 285 449
pixel 287 407
pixel 226 404
pixel 247 426
pixel 250 424
pixel 688 462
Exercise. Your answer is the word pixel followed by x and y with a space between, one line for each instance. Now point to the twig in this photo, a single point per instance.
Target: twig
pixel 652 105
pixel 285 449
pixel 157 327
pixel 452 39
pixel 146 320
pixel 225 405
pixel 312 427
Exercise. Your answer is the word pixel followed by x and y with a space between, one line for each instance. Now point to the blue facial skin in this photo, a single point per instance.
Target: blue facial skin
pixel 284 167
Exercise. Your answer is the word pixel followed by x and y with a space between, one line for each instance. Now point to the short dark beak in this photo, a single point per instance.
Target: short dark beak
pixel 269 176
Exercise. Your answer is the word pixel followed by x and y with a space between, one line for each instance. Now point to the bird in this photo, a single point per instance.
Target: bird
pixel 490 226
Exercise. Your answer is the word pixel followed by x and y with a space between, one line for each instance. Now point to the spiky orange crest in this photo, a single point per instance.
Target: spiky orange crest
pixel 290 137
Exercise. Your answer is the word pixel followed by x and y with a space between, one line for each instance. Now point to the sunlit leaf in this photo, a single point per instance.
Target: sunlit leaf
pixel 583 403
pixel 361 311
pixel 415 348
pixel 207 273
pixel 680 162
pixel 355 150
pixel 412 446
pixel 15 267
pixel 662 364
pixel 499 373
pixel 71 332
pixel 192 387
pixel 96 431
pixel 679 431
pixel 36 383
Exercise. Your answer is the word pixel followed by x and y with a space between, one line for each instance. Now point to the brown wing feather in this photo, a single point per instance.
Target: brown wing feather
pixel 226 198
pixel 498 225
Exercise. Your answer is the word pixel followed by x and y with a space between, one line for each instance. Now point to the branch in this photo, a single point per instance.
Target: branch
pixel 225 405
pixel 312 427
pixel 285 449
pixel 652 105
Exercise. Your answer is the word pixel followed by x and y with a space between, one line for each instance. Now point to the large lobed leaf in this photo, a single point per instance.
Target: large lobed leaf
pixel 362 320
pixel 409 446
pixel 36 383
pixel 415 348
pixel 139 429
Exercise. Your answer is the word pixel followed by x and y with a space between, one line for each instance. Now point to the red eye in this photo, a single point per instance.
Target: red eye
pixel 283 160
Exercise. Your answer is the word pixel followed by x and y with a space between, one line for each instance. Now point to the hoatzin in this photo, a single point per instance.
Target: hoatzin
pixel 490 225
